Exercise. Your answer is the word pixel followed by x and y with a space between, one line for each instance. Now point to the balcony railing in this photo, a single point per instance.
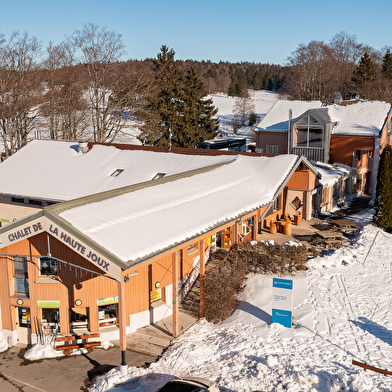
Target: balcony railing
pixel 311 153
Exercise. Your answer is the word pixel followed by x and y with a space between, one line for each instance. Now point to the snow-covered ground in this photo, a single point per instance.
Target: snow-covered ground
pixel 262 100
pixel 341 313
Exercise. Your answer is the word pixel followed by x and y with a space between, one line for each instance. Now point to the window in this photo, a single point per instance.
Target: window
pixel 308 137
pixel 389 126
pixel 358 155
pixel 35 202
pixel 79 318
pixel 158 176
pixel 192 248
pixel 245 229
pixel 370 154
pixel 21 281
pixel 296 203
pixel 48 266
pixel 107 315
pixel 117 172
pixel 271 149
pixel 277 203
pixel 24 317
pixel 308 133
pixel 50 318
pixel 17 200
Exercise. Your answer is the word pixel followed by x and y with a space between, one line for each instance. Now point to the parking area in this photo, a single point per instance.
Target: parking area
pixel 64 374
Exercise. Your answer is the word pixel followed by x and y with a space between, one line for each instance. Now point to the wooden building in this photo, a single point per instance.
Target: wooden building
pixel 353 133
pixel 116 260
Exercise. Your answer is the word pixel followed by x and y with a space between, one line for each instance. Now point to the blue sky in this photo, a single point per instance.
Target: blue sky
pixel 217 30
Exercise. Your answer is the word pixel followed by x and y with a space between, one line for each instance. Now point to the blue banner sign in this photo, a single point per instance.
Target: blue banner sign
pixel 282 283
pixel 282 317
pixel 282 301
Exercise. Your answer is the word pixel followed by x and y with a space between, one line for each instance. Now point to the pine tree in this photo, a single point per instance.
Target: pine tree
pixel 387 65
pixel 197 113
pixel 160 116
pixel 365 73
pixel 383 201
pixel 178 115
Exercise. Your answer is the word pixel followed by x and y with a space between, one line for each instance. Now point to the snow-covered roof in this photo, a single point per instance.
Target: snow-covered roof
pixel 331 173
pixel 146 221
pixel 55 170
pixel 277 118
pixel 359 119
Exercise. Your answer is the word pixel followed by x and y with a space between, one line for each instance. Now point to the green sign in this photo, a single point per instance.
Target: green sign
pixel 106 301
pixel 48 304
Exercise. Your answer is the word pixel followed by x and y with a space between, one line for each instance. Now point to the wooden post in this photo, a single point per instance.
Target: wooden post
pixel 122 324
pixel 202 273
pixel 254 232
pixel 175 293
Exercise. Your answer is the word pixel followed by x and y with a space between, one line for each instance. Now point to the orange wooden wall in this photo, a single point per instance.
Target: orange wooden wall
pixel 343 147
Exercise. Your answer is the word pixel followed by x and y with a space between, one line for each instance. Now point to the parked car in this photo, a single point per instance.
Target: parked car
pixel 190 384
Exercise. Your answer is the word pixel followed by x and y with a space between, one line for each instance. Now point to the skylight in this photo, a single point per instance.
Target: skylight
pixel 158 176
pixel 116 172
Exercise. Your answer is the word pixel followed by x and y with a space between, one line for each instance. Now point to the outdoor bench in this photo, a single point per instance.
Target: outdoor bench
pixel 76 342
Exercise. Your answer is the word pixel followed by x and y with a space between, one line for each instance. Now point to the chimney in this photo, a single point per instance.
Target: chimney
pixel 338 98
pixel 83 147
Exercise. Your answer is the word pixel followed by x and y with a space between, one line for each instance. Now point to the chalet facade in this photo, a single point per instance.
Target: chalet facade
pixel 352 133
pixel 115 260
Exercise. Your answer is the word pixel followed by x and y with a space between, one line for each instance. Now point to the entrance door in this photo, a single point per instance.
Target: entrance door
pixel 24 325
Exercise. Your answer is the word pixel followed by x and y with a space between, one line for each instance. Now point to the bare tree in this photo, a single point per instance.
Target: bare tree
pixel 65 109
pixel 242 109
pixel 347 52
pixel 100 50
pixel 20 90
pixel 311 72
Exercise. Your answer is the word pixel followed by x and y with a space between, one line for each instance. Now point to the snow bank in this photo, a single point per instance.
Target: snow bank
pixel 3 345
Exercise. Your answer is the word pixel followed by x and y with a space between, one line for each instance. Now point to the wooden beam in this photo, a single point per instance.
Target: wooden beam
pixel 255 224
pixel 365 366
pixel 123 318
pixel 202 273
pixel 175 293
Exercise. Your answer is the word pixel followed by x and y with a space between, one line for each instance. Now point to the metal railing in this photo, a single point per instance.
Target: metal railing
pixel 311 153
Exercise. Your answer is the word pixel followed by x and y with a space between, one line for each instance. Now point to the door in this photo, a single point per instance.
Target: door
pixel 23 325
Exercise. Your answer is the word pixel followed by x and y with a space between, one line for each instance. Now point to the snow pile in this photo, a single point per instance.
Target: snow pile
pixel 341 313
pixel 40 351
pixel 3 345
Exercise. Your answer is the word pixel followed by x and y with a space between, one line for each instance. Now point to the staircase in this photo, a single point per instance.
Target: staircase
pixel 191 303
pixel 154 339
pixel 356 205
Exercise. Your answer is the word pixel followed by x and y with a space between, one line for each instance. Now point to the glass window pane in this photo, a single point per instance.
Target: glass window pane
pixel 24 317
pixel 107 315
pixel 50 315
pixel 20 266
pixel 48 266
pixel 302 138
pixel 315 137
pixel 21 286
